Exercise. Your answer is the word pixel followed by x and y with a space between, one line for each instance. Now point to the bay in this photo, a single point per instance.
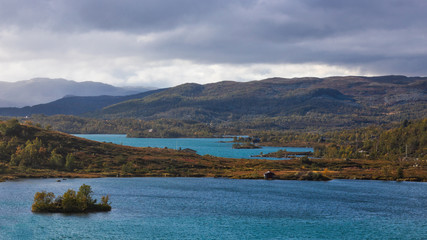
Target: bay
pixel 219 147
pixel 208 208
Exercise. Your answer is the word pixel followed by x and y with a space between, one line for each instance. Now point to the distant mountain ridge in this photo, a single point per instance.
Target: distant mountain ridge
pixel 44 90
pixel 72 105
pixel 278 97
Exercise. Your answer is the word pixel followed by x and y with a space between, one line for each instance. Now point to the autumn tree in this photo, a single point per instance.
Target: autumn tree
pixel 84 197
pixel 56 160
pixel 43 201
pixel 70 161
pixel 69 201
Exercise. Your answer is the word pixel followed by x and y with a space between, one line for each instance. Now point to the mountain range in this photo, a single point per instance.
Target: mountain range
pixel 270 102
pixel 45 90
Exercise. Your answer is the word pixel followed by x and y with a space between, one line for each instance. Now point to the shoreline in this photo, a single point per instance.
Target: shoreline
pixel 290 176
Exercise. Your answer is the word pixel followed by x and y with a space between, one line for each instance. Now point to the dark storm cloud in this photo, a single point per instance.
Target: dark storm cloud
pixel 383 35
pixel 109 15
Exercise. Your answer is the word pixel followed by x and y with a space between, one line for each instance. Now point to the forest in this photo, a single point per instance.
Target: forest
pixel 406 140
pixel 160 128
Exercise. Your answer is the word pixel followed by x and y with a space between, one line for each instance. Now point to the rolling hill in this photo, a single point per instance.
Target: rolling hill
pixel 343 97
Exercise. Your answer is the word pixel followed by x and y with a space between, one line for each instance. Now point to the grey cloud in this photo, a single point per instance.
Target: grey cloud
pixel 109 15
pixel 347 33
pixel 274 33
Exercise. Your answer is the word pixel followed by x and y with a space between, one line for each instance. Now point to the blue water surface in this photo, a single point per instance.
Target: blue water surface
pixel 220 147
pixel 208 208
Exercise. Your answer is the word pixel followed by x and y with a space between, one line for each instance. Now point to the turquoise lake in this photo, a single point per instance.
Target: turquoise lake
pixel 220 147
pixel 208 208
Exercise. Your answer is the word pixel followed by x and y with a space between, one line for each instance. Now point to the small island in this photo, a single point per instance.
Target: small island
pixel 245 146
pixel 284 154
pixel 70 202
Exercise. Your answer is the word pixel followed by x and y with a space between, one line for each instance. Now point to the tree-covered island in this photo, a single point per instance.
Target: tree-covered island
pixel 70 202
pixel 245 146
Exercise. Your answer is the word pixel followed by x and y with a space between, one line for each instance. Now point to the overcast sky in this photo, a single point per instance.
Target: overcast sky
pixel 163 43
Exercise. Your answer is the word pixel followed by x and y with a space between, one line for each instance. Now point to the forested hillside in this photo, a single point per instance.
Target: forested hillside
pixel 394 142
pixel 405 142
